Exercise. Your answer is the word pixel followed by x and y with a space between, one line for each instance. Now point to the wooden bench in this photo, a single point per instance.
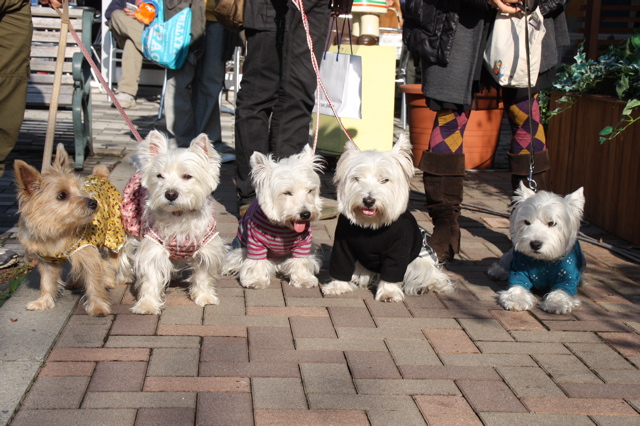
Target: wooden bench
pixel 75 90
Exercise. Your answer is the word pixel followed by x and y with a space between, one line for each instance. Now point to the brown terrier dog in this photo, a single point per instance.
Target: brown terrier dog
pixel 64 217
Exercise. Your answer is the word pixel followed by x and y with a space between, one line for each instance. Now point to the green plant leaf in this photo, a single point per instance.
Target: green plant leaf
pixel 606 131
pixel 631 105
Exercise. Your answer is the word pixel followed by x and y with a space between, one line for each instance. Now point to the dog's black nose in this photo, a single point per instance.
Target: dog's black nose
pixel 92 204
pixel 171 195
pixel 368 201
pixel 535 245
pixel 305 215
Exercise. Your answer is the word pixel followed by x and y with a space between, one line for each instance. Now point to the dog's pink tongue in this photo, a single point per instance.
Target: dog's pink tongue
pixel 299 226
pixel 369 212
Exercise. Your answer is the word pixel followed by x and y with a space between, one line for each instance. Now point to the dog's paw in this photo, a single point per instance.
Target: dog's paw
pixel 559 302
pixel 257 285
pixel 497 272
pixel 337 287
pixel 304 282
pixel 203 298
pixel 98 309
pixel 388 292
pixel 517 298
pixel 42 304
pixel 147 306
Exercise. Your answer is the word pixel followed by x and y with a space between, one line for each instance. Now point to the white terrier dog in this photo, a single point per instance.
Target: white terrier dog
pixel 274 235
pixel 546 254
pixel 376 236
pixel 169 214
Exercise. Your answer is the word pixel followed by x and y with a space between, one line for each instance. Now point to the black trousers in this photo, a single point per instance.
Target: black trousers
pixel 276 96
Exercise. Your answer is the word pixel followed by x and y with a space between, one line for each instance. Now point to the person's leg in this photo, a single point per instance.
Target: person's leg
pixel 179 104
pixel 292 112
pixel 207 83
pixel 520 151
pixel 254 105
pixel 443 177
pixel 128 33
pixel 15 46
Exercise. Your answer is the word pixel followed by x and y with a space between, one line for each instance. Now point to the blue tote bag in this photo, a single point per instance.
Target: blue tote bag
pixel 167 42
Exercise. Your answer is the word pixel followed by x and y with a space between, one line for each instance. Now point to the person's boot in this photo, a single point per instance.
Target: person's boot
pixel 443 177
pixel 519 168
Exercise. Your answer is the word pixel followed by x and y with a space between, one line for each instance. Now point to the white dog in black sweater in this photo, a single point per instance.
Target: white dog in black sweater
pixel 377 238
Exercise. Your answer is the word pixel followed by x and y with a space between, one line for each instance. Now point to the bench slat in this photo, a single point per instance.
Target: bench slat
pixel 40 95
pixel 47 11
pixel 35 79
pixel 51 37
pixel 54 23
pixel 49 66
pixel 52 51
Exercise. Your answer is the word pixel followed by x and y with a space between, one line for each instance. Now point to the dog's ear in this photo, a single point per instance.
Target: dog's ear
pixel 576 200
pixel 261 165
pixel 61 161
pixel 27 178
pixel 402 151
pixel 308 155
pixel 521 194
pixel 201 145
pixel 154 144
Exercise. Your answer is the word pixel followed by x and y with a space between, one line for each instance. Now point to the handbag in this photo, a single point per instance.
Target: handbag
pixel 167 42
pixel 505 54
pixel 341 75
pixel 230 14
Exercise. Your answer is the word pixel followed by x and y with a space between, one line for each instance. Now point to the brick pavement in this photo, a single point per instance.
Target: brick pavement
pixel 292 356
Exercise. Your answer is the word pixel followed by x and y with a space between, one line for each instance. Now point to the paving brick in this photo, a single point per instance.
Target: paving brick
pixel 447 410
pixel 153 342
pixel 68 369
pixel 405 387
pixel 184 315
pixel 327 378
pixel 379 333
pixel 312 327
pixel 270 338
pixel 585 406
pixel 201 330
pixel 412 352
pixel 529 381
pixel 522 321
pixel 372 365
pixel 230 306
pixel 490 396
pixel 46 394
pixel 405 417
pixel 556 336
pixel 599 356
pixel 451 313
pixel 600 293
pixel 566 368
pixel 139 400
pixel 617 376
pixel 340 344
pixel 615 421
pixel 196 384
pixel 628 344
pixel 450 341
pixel 509 419
pixel 343 301
pixel 485 329
pixel 134 325
pixel 448 372
pixel 458 300
pixel 416 323
pixel 246 321
pixel 174 362
pixel 393 310
pixel 586 326
pixel 232 349
pixel 278 393
pixel 273 311
pixel 510 360
pixel 318 401
pixel 351 317
pixel 111 376
pixel 265 297
pixel 522 348
pixel 297 356
pixel 83 331
pixel 425 301
pixel 290 291
pixel 165 416
pixel 249 369
pixel 101 417
pixel 311 417
pixel 601 390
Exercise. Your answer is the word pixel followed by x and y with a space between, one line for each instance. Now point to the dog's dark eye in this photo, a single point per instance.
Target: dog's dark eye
pixel 551 224
pixel 310 191
pixel 526 222
pixel 159 176
pixel 186 177
pixel 384 180
pixel 62 196
pixel 356 179
pixel 288 193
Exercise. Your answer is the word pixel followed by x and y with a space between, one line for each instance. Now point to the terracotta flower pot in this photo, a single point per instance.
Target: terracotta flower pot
pixel 480 137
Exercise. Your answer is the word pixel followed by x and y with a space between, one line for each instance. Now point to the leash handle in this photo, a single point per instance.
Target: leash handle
pixel 526 9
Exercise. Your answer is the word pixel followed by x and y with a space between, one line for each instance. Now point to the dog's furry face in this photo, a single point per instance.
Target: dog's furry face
pixel 373 187
pixel 545 225
pixel 178 179
pixel 288 190
pixel 52 204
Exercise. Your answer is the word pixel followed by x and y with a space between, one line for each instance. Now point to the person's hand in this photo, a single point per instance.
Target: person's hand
pixel 505 6
pixel 130 13
pixel 51 3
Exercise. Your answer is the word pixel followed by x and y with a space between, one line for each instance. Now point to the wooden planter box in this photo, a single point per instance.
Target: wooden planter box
pixel 609 172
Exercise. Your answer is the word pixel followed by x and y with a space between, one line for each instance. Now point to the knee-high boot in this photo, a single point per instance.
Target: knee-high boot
pixel 443 184
pixel 519 167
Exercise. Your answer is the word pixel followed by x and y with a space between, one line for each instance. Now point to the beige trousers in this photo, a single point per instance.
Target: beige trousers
pixel 128 34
